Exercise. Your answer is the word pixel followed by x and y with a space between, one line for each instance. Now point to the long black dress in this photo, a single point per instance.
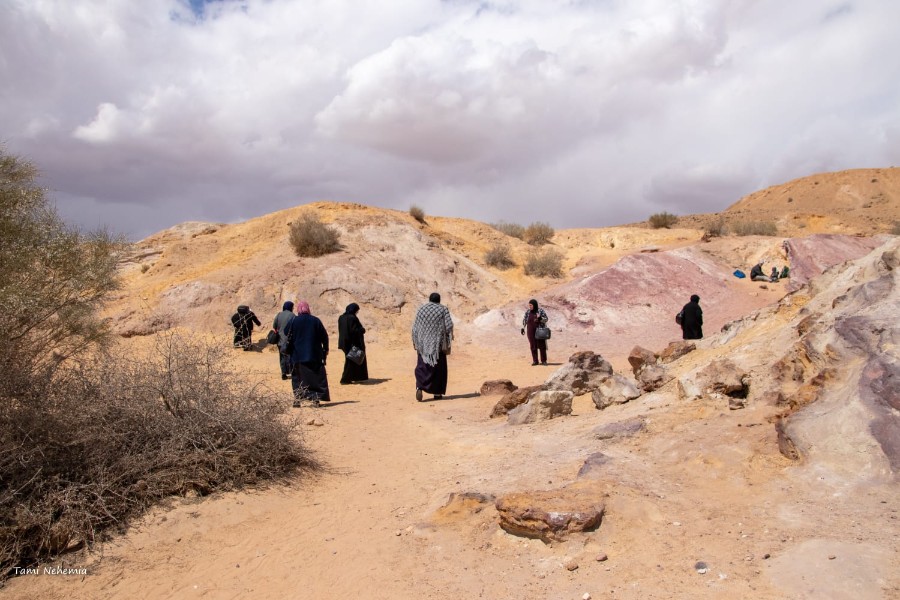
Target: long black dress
pixel 692 321
pixel 352 333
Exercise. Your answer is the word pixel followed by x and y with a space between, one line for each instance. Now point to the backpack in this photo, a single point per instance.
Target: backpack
pixel 679 317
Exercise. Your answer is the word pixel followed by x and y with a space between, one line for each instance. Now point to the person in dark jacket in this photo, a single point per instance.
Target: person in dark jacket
pixel 535 317
pixel 308 347
pixel 243 321
pixel 280 325
pixel 692 320
pixel 351 333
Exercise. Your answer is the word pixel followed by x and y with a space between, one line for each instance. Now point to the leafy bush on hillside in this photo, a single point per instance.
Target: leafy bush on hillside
pixel 91 435
pixel 547 263
pixel 662 220
pixel 510 229
pixel 538 233
pixel 499 256
pixel 417 213
pixel 311 237
pixel 754 228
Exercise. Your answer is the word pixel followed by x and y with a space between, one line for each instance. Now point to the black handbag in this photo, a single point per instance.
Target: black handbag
pixel 272 337
pixel 357 355
pixel 542 333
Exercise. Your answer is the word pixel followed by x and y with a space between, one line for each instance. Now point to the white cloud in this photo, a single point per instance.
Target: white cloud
pixel 146 114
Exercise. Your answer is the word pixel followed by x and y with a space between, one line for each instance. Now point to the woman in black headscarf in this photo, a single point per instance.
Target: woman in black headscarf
pixel 351 333
pixel 535 317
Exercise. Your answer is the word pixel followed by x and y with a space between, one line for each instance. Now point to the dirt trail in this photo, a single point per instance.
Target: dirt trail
pixel 702 483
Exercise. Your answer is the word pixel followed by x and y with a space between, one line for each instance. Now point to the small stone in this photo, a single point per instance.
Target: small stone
pixel 676 523
pixel 831 557
pixel 398 533
pixel 586 596
pixel 571 565
pixel 602 557
pixel 767 556
pixel 701 567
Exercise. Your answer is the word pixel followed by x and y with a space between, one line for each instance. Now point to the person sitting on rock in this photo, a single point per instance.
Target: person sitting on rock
pixel 774 275
pixel 757 274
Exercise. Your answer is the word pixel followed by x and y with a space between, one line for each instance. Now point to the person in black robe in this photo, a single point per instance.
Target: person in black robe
pixel 432 334
pixel 243 321
pixel 308 347
pixel 692 320
pixel 351 333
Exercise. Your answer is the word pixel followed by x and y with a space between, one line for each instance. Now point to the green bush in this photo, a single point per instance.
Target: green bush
pixel 417 213
pixel 547 263
pixel 754 228
pixel 538 234
pixel 311 237
pixel 499 256
pixel 510 229
pixel 662 220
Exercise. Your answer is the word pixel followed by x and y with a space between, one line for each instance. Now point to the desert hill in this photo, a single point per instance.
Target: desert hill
pixel 857 201
pixel 762 463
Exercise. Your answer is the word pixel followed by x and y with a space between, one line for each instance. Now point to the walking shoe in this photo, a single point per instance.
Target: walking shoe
pixel 534 364
pixel 283 376
pixel 296 404
pixel 418 394
pixel 316 404
pixel 438 396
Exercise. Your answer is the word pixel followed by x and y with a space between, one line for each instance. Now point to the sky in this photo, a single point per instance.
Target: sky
pixel 578 113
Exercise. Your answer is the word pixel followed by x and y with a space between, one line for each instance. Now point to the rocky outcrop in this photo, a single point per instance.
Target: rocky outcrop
pixel 497 387
pixel 721 378
pixel 639 358
pixel 676 350
pixel 542 406
pixel 653 377
pixel 513 399
pixel 584 373
pixel 593 466
pixel 626 428
pixel 554 514
pixel 615 390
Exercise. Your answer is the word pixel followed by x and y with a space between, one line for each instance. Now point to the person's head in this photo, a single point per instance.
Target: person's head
pixel 434 297
pixel 533 305
pixel 303 308
pixel 352 308
pixel 695 298
pixel 242 308
pixel 288 305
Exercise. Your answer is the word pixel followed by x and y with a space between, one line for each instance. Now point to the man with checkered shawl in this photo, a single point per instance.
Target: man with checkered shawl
pixel 432 333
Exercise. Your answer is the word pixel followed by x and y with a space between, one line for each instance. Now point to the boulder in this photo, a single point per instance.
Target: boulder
pixel 615 390
pixel 718 378
pixel 496 387
pixel 542 406
pixel 639 357
pixel 626 428
pixel 676 350
pixel 514 399
pixel 584 373
pixel 652 377
pixel 593 465
pixel 552 514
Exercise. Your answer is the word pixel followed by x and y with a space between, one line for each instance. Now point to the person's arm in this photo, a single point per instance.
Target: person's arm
pixel 256 319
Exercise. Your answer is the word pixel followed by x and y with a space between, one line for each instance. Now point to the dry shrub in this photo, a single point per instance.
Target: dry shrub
pixel 511 229
pixel 538 234
pixel 715 229
pixel 663 220
pixel 754 228
pixel 547 263
pixel 107 438
pixel 417 213
pixel 499 256
pixel 311 237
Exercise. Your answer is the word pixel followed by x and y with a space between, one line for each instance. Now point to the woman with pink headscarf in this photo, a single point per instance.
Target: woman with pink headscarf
pixel 308 349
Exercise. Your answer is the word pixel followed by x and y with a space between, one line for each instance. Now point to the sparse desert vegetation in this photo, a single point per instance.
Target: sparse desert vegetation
pixel 311 237
pixel 417 213
pixel 499 256
pixel 538 233
pixel 663 220
pixel 544 263
pixel 744 228
pixel 511 229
